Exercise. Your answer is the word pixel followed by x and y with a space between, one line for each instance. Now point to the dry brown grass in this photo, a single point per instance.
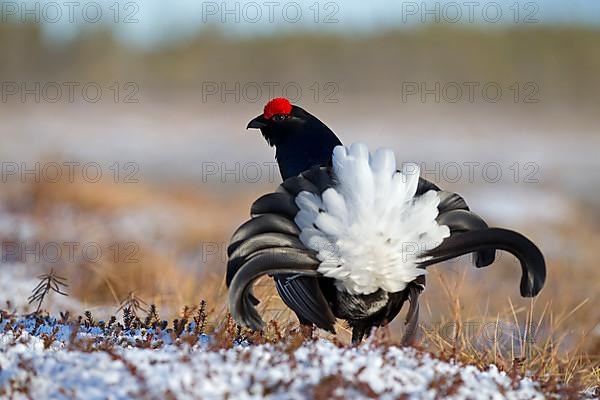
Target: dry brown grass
pixel 532 339
pixel 467 314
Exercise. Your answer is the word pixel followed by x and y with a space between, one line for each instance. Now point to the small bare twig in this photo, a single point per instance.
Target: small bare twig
pixel 49 282
pixel 134 303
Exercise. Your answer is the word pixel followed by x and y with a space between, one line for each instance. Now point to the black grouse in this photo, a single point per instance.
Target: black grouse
pixel 347 235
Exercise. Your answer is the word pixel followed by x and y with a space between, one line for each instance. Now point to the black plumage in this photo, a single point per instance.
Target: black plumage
pixel 268 243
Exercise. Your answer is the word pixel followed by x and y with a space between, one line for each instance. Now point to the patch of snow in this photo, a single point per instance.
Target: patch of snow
pixel 176 370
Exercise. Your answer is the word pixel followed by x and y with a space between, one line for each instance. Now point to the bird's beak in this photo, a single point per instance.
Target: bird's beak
pixel 257 123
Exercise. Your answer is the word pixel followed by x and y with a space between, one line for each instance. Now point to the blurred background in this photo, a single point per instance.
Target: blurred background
pixel 126 165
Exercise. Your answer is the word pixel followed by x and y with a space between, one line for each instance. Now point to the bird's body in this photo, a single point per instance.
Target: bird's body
pixel 347 235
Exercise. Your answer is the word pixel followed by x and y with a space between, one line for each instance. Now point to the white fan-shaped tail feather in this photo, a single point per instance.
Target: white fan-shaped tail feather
pixel 370 230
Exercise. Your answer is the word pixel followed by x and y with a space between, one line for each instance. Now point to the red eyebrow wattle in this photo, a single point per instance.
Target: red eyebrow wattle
pixel 279 105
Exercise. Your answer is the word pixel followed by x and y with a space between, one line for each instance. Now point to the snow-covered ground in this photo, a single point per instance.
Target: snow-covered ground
pixel 46 359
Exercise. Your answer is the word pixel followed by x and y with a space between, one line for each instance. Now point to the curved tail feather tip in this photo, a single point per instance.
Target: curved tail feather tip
pixel 529 255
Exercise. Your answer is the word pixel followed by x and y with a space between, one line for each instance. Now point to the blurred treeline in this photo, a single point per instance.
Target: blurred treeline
pixel 564 63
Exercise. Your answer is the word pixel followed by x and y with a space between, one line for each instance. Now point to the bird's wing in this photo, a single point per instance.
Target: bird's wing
pixel 305 297
pixel 272 231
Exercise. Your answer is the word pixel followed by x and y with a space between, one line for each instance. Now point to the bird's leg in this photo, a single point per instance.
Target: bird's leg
pixel 412 317
pixel 359 330
pixel 307 331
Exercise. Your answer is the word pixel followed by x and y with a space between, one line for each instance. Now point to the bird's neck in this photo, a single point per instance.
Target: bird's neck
pixel 298 154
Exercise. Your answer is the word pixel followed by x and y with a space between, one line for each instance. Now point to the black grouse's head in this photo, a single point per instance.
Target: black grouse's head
pixel 301 140
pixel 283 122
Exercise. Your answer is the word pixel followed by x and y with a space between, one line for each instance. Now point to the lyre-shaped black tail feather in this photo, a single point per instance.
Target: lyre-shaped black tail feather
pixel 532 261
pixel 269 244
pixel 281 260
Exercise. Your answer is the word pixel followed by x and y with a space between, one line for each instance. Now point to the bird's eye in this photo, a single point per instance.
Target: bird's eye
pixel 279 117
